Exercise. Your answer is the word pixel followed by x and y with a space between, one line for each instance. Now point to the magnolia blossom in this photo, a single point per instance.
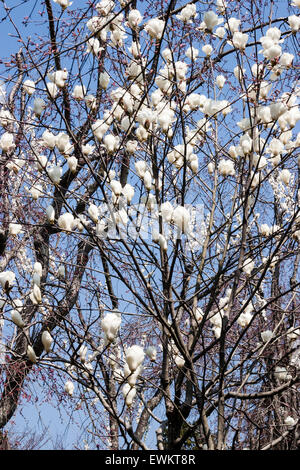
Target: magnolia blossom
pixel 31 354
pixel 17 319
pixel 55 174
pixel 155 28
pixel 29 87
pixel 14 229
pixel 63 3
pixel 128 192
pixel 69 387
pixel 110 324
pixel 285 176
pixel 7 142
pixel 66 222
pixel 221 6
pixel 289 421
pixel 50 213
pixel 244 319
pixel 48 139
pixel 6 117
pixel 58 78
pixel 220 32
pixel 286 60
pixel 63 143
pixel 239 40
pixel 38 106
pixel 248 266
pixel 7 279
pixel 266 335
pixel 134 18
pixel 211 20
pixel 72 164
pixel 188 12
pixel 226 168
pixel 220 81
pixel 181 218
pixel 151 352
pixel 116 187
pixel 129 394
pixel 134 357
pixel 79 92
pixel 207 49
pixel 93 212
pixel 233 24
pixel 294 22
pixel 47 340
pixel 104 80
pixel 140 168
pixel 99 128
pixel 52 89
pixel 93 46
pixel 192 53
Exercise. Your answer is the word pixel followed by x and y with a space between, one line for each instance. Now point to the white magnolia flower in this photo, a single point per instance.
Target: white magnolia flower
pixel 7 142
pixel 207 49
pixel 286 60
pixel 233 24
pixel 29 87
pixel 17 319
pixel 99 128
pixel 79 92
pixel 220 81
pixel 289 421
pixel 48 139
pixel 128 192
pixel 110 324
pixel 155 28
pixel 52 89
pixel 104 80
pixel 285 176
pixel 181 218
pixel 211 20
pixel 63 3
pixel 192 53
pixel 93 46
pixel 31 354
pixel 151 352
pixel 140 168
pixel 38 106
pixel 69 387
pixel 7 279
pixel 134 357
pixel 188 12
pixel 248 266
pixel 93 212
pixel 50 213
pixel 66 222
pixel 244 319
pixel 226 168
pixel 55 174
pixel 72 164
pixel 47 340
pixel 6 117
pixel 129 394
pixel 239 40
pixel 14 229
pixel 266 335
pixel 220 32
pixel 294 22
pixel 134 18
pixel 59 77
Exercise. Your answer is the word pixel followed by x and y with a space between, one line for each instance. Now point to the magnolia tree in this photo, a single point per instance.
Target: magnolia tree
pixel 150 225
